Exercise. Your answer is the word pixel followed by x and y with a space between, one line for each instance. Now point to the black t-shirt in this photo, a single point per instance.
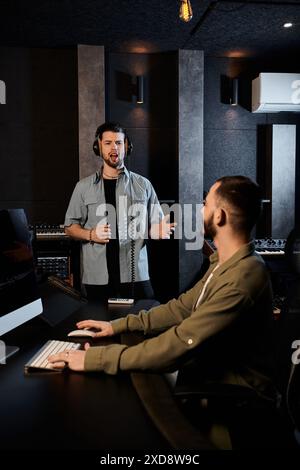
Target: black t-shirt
pixel 112 247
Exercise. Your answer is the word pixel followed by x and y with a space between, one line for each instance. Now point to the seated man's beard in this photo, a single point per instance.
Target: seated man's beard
pixel 210 228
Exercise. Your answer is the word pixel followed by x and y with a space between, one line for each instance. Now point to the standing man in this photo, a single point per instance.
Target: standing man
pixel 112 212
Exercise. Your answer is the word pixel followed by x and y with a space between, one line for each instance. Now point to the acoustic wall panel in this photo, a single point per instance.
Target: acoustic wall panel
pixel 190 154
pixel 276 172
pixel 91 104
pixel 283 179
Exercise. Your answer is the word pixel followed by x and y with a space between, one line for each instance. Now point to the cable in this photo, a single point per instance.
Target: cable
pixel 208 10
pixel 132 245
pixel 132 262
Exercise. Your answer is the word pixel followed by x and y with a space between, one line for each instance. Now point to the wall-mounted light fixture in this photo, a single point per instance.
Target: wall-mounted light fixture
pixel 229 90
pixel 140 89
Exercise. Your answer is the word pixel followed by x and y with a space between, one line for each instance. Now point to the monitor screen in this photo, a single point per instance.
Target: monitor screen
pixel 19 297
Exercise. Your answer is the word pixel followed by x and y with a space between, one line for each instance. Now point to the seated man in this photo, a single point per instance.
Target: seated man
pixel 224 320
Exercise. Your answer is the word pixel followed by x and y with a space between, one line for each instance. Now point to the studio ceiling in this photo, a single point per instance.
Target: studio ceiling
pixel 220 28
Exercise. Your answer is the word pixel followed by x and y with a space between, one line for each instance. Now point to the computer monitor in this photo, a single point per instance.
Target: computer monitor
pixel 19 296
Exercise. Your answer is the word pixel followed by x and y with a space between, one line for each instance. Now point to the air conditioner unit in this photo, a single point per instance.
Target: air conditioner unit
pixel 276 92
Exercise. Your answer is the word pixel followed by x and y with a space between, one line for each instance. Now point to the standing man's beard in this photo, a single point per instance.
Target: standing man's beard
pixel 210 228
pixel 119 163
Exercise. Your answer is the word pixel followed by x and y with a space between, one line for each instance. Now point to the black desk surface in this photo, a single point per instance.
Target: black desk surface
pixel 69 410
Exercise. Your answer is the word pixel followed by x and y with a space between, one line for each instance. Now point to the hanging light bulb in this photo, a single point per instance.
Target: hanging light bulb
pixel 185 12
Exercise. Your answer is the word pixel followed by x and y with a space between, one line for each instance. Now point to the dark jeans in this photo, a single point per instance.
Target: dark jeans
pixel 138 290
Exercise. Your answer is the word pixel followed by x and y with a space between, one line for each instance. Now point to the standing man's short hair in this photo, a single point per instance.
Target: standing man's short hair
pixel 243 196
pixel 109 127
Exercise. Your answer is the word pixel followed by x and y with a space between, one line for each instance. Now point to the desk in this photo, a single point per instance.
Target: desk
pixel 68 411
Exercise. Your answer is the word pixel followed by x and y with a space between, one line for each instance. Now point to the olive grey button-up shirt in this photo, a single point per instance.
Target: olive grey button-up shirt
pixel 229 329
pixel 137 207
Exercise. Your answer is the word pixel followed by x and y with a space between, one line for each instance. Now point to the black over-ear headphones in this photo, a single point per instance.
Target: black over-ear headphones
pixel 104 128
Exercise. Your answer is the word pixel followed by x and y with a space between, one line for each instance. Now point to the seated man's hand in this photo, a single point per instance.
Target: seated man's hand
pixel 104 327
pixel 72 359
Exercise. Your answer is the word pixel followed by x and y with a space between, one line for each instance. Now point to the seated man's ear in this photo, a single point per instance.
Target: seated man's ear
pixel 221 217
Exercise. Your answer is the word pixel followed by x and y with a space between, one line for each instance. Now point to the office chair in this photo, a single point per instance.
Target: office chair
pixel 233 416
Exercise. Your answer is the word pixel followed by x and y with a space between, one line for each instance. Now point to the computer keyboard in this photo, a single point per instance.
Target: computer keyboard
pixel 39 360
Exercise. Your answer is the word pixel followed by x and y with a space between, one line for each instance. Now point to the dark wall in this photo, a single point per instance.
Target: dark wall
pixel 152 125
pixel 39 131
pixel 230 132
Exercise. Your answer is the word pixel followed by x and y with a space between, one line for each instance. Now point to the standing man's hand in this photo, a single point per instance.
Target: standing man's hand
pixel 164 229
pixel 101 234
